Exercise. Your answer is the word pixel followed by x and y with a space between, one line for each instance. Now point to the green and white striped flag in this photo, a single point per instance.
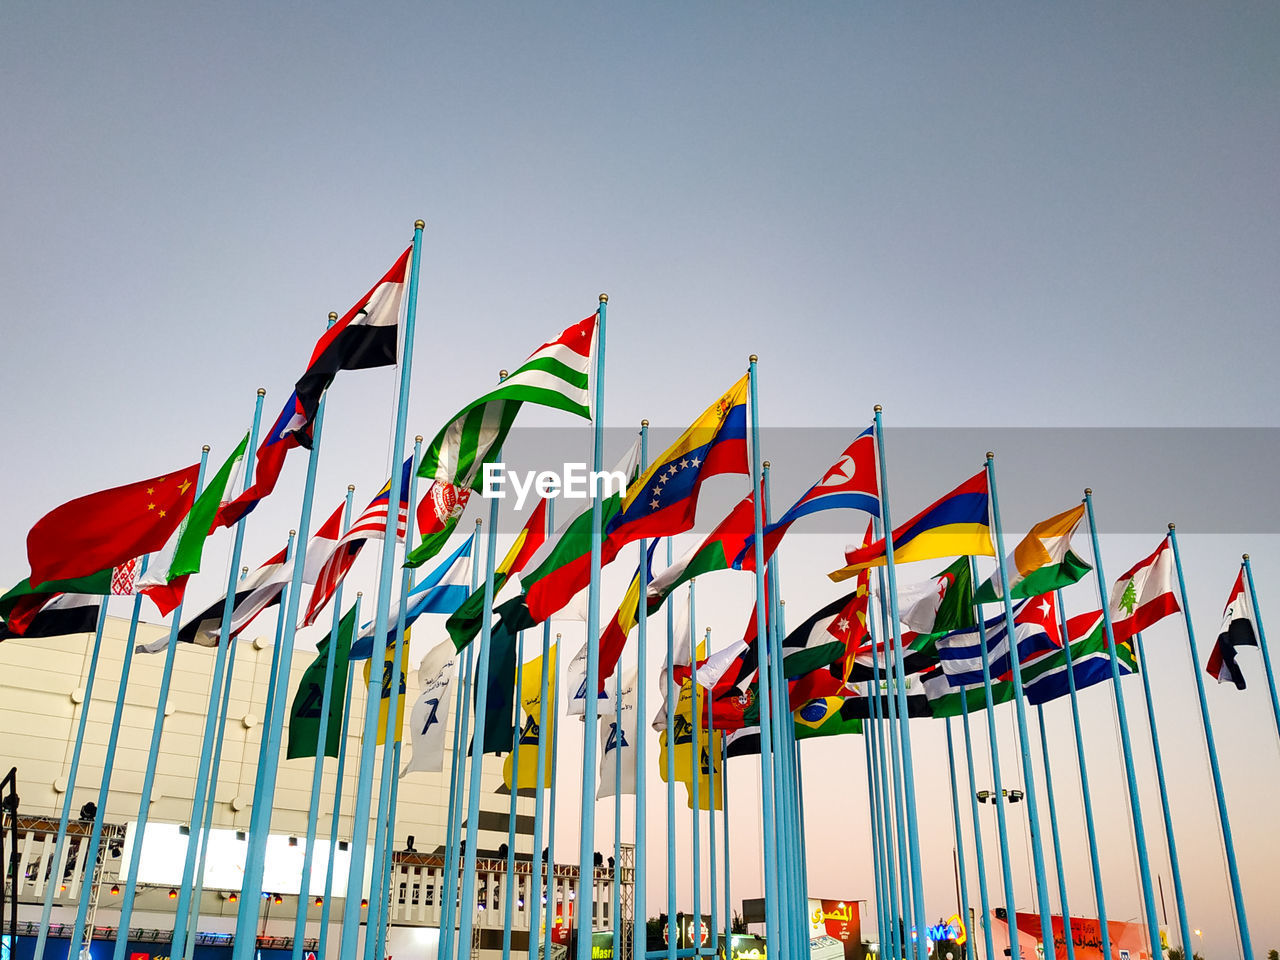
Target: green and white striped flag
pixel 557 374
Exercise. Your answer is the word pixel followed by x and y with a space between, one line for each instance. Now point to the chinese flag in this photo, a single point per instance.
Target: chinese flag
pixel 108 528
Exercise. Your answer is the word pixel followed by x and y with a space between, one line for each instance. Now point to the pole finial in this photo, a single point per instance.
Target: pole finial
pixel 478 522
pixel 206 448
pixel 604 298
pixel 1244 557
pixel 1171 526
pixel 293 533
pixel 418 438
pixel 877 408
pixel 351 487
pixel 753 359
pixel 333 316
pixel 262 391
pixel 502 374
pixel 644 423
pixel 558 636
pixel 419 224
pixel 766 464
pixel 990 455
pixel 1088 491
pixel 359 594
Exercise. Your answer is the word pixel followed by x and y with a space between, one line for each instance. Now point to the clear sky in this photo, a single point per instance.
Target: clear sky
pixel 979 216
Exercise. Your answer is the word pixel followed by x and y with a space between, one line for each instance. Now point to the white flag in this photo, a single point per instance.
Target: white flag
pixel 577 687
pixel 430 712
pixel 614 744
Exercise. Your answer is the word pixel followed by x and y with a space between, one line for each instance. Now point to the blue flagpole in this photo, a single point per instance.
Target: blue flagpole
pixel 360 822
pixel 1100 900
pixel 891 779
pixel 873 812
pixel 1184 929
pixel 724 820
pixel 695 770
pixel 509 884
pixel 322 739
pixel 960 857
pixel 322 938
pixel 202 790
pixel 384 827
pixel 711 818
pixel 457 767
pixel 90 857
pixel 1233 870
pixel 538 861
pixel 1131 777
pixel 773 930
pixel 551 815
pixel 640 942
pixel 153 756
pixel 983 896
pixel 1053 826
pixel 913 829
pixel 1262 642
pixel 1024 739
pixel 673 933
pixel 997 793
pixel 615 901
pixel 587 837
pixel 46 910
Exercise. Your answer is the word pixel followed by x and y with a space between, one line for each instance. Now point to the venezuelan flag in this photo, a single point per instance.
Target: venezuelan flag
pixel 957 525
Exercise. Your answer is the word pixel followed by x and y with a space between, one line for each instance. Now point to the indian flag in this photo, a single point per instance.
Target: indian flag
pixel 1042 562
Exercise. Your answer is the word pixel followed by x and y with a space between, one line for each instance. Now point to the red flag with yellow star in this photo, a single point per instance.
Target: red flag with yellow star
pixel 108 528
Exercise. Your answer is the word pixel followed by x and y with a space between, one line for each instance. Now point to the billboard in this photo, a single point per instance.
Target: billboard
pixel 1128 940
pixel 835 930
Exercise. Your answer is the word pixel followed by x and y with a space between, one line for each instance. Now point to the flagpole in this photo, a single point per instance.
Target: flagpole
pixel 322 938
pixel 873 811
pixel 639 900
pixel 724 819
pixel 1131 778
pixel 90 857
pixel 771 884
pixel 1237 893
pixel 1024 739
pixel 695 769
pixel 536 886
pixel 551 814
pixel 913 828
pixel 673 932
pixel 711 814
pixel 983 895
pixel 198 798
pixel 960 857
pixel 384 826
pixel 1053 826
pixel 153 755
pixel 509 885
pixel 322 739
pixel 1184 928
pixel 457 768
pixel 891 778
pixel 1262 642
pixel 587 837
pixel 997 793
pixel 615 901
pixel 59 847
pixel 1100 900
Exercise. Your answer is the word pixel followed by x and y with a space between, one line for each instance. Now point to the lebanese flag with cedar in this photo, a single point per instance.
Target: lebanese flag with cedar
pixel 1237 631
pixel 107 529
pixel 1144 594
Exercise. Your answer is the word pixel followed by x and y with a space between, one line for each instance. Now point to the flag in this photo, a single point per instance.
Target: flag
pixel 105 529
pixel 576 684
pixel 849 484
pixel 823 638
pixel 858 705
pixel 557 374
pixel 618 740
pixel 466 621
pixel 663 501
pixel 530 734
pixel 499 729
pixel 958 524
pixel 430 713
pixel 308 699
pixel 716 552
pixel 942 604
pixel 825 717
pixel 388 671
pixel 614 637
pixel 708 754
pixel 23 601
pixel 321 544
pixel 1042 562
pixel 58 616
pixel 1237 631
pixel 364 337
pixel 1036 630
pixel 275 446
pixel 1144 594
pixel 165 580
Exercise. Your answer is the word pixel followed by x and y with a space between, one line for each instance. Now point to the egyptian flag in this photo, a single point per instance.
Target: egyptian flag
pixel 1237 631
pixel 365 337
pixel 63 614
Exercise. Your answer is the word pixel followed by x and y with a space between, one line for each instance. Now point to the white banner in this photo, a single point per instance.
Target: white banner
pixel 430 714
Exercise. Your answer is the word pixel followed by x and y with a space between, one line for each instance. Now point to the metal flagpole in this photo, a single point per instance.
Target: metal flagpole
pixel 997 793
pixel 509 884
pixel 1100 900
pixel 536 886
pixel 913 829
pixel 673 933
pixel 1131 777
pixel 873 810
pixel 711 815
pixel 1184 928
pixel 771 886
pixel 891 778
pixel 640 941
pixel 202 789
pixel 551 815
pixel 1237 893
pixel 384 825
pixel 457 768
pixel 724 820
pixel 960 857
pixel 1262 642
pixel 1053 826
pixel 889 905
pixel 695 770
pixel 322 938
pixel 351 918
pixel 317 774
pixel 59 847
pixel 983 896
pixel 615 902
pixel 153 756
pixel 587 838
pixel 90 855
pixel 1024 739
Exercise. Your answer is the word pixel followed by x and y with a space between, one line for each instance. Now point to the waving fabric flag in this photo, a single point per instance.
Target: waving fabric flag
pixel 430 713
pixel 557 374
pixel 23 601
pixel 940 605
pixel 59 615
pixel 269 462
pixel 308 699
pixel 1144 594
pixel 1237 631
pixel 825 636
pixel 1042 562
pixel 618 742
pixel 614 637
pixel 105 529
pixel 1036 630
pixel 957 525
pixel 530 734
pixel 849 484
pixel 716 552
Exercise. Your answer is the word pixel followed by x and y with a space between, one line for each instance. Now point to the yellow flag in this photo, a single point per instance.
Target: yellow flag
pixel 388 665
pixel 709 748
pixel 530 686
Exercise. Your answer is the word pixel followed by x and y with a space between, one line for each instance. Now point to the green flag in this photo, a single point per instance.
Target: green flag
pixel 304 714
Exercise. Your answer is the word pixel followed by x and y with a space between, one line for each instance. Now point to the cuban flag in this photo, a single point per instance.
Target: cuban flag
pixel 1036 631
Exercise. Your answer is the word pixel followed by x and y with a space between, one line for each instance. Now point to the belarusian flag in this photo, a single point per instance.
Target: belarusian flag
pixel 1042 562
pixel 557 374
pixel 1144 594
pixel 24 600
pixel 1237 631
